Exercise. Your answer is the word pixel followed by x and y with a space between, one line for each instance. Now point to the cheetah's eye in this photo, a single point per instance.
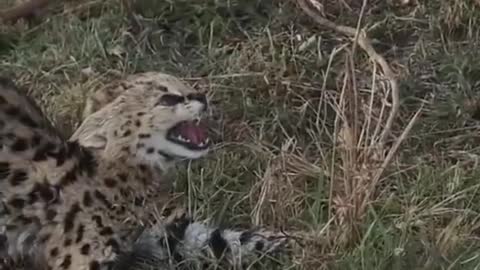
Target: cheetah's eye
pixel 170 100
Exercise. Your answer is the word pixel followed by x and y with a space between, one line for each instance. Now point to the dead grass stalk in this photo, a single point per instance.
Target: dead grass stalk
pixel 362 131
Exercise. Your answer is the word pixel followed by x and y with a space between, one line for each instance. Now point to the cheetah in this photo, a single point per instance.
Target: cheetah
pixel 82 203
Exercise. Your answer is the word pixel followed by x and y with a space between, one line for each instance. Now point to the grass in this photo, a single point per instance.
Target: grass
pixel 276 81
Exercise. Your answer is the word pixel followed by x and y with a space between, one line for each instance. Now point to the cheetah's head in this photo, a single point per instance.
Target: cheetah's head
pixel 152 117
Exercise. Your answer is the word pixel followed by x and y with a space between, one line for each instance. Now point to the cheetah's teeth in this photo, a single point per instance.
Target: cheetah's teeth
pixel 182 139
pixel 205 142
pixel 185 140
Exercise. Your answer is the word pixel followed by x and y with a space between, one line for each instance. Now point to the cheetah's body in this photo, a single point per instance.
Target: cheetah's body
pixel 78 204
pixel 82 204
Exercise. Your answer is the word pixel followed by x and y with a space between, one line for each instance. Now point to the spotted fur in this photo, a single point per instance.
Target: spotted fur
pixel 182 243
pixel 79 204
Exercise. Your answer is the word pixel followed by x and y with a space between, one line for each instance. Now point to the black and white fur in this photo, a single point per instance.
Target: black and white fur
pixel 186 244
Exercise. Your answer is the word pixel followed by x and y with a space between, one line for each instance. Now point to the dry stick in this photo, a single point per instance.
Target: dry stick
pixel 394 149
pixel 21 11
pixel 311 9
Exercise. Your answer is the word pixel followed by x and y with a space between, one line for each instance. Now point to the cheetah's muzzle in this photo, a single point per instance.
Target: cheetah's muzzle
pixel 191 134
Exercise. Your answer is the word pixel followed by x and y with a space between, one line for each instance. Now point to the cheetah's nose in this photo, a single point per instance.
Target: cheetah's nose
pixel 202 98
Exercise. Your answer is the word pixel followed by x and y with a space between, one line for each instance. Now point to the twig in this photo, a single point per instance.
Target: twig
pixel 23 10
pixel 312 10
pixel 394 148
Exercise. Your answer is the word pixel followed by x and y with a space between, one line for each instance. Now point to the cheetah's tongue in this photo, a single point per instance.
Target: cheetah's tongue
pixel 192 133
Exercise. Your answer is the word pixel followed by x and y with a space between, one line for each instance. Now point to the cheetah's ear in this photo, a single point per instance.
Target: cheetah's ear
pixel 95 141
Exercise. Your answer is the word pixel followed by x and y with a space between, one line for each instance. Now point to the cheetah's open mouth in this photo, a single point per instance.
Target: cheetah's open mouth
pixel 191 134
